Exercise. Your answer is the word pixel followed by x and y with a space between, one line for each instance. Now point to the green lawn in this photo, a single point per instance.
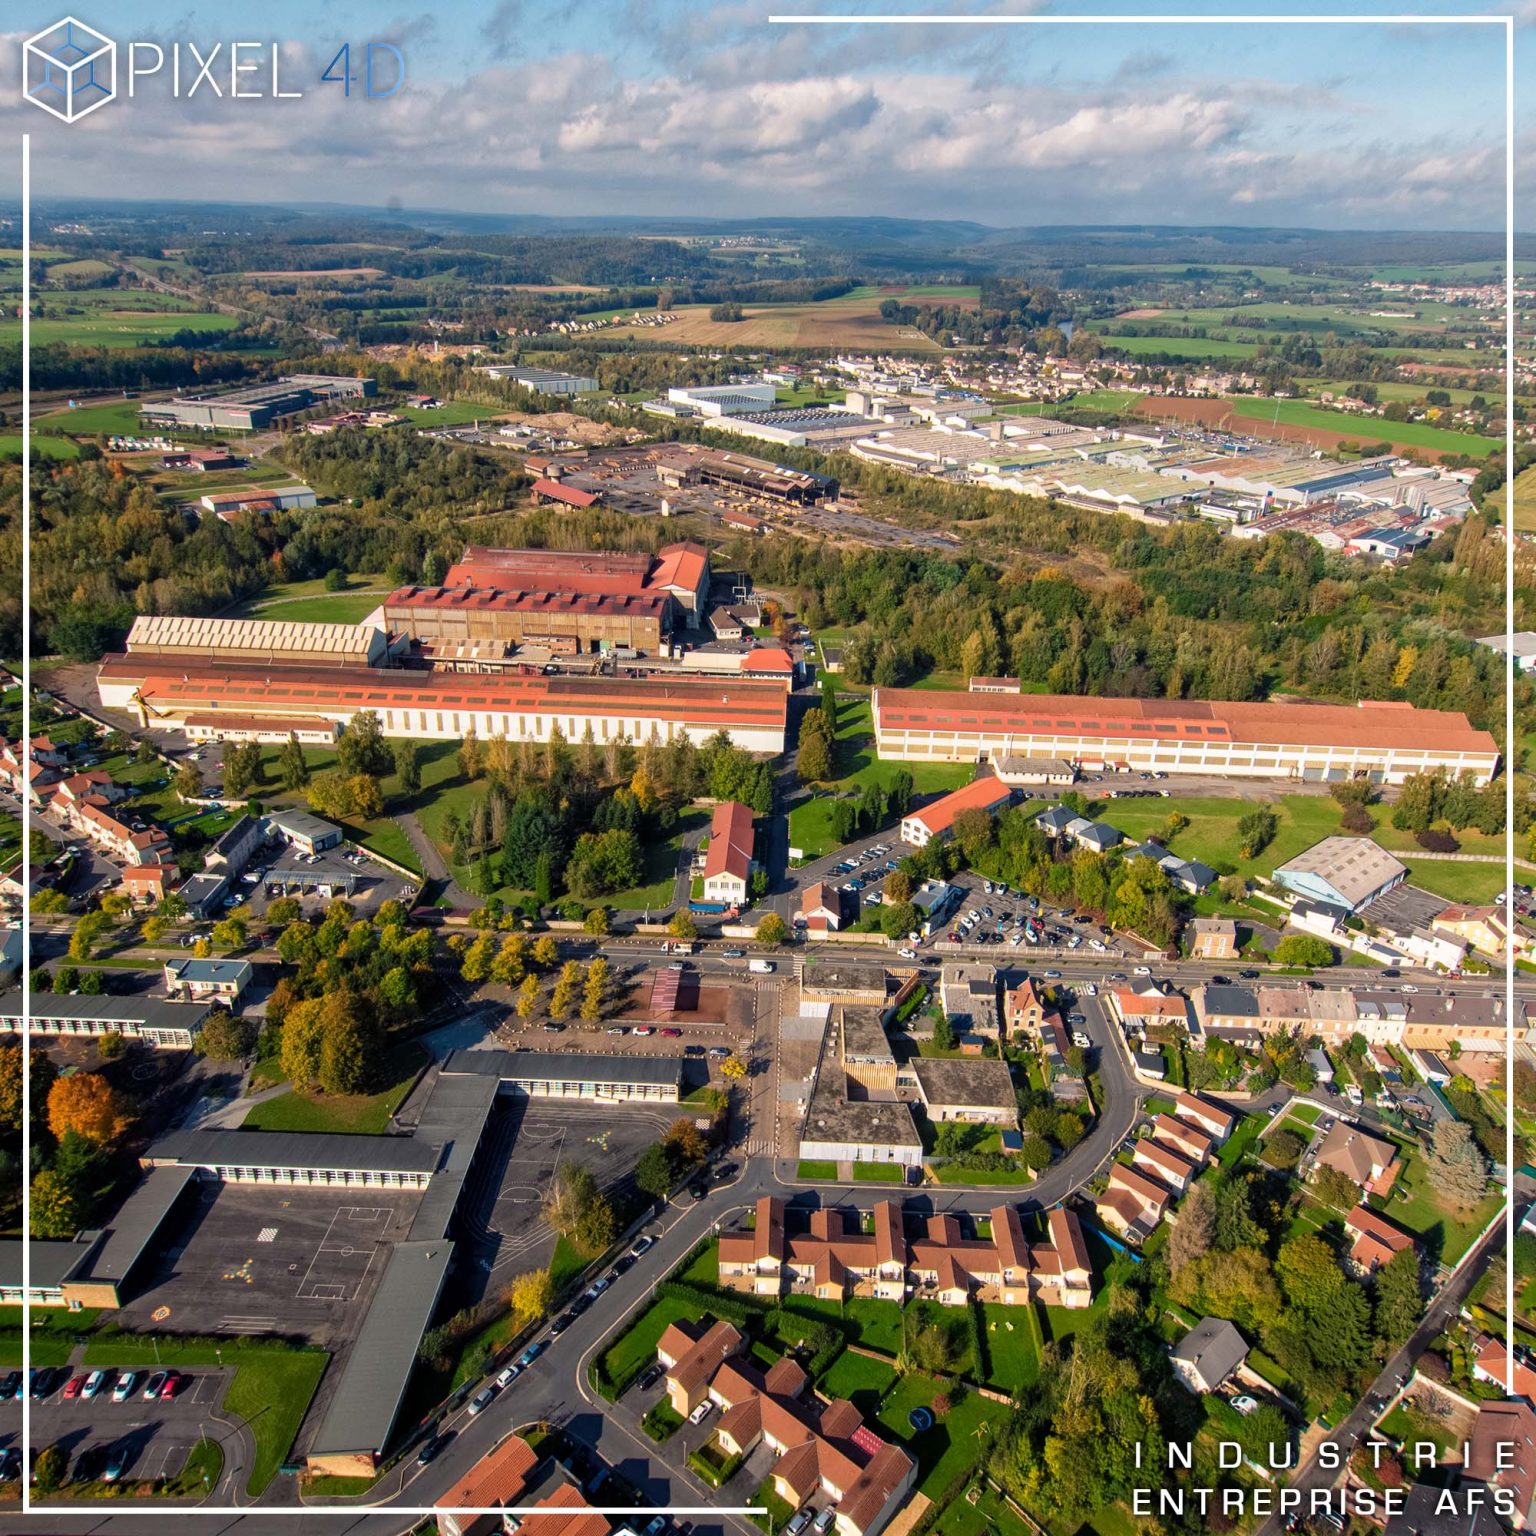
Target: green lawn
pixel 661 856
pixel 339 608
pixel 1243 1136
pixel 54 1331
pixel 452 413
pixel 855 764
pixel 120 416
pixel 42 447
pixel 629 1354
pixel 813 1168
pixel 1473 883
pixel 271 1389
pixel 874 1324
pixel 1415 1205
pixel 943 1452
pixel 861 1380
pixel 1012 1339
pixel 360 1114
pixel 988 1516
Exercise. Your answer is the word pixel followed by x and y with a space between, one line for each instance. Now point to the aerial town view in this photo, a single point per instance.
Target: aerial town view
pixel 755 778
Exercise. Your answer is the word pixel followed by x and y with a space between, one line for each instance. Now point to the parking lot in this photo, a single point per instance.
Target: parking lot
pixel 318 878
pixel 249 1260
pixel 145 1439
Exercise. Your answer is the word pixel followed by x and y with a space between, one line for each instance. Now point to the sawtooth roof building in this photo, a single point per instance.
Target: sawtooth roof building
pixel 1384 742
pixel 258 640
pixel 680 571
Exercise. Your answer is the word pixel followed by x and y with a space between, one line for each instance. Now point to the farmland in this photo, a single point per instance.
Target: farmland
pixel 1525 502
pixel 115 327
pixel 850 321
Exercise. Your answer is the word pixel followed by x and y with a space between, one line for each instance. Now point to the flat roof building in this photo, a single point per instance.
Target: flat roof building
pixel 542 381
pixel 1383 742
pixel 566 622
pixel 165 1025
pixel 253 406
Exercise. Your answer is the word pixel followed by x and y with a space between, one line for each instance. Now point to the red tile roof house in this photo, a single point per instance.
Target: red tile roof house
pixel 1376 1241
pixel 1368 1161
pixel 728 862
pixel 937 819
pixel 1490 1362
pixel 1502 1453
pixel 834 1262
pixel 825 1450
pixel 1164 1164
pixel 1026 1011
pixel 1133 1203
pixel 1211 1119
pixel 821 908
pixel 148 882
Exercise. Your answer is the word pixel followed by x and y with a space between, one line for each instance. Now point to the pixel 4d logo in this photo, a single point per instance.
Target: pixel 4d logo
pixel 69 70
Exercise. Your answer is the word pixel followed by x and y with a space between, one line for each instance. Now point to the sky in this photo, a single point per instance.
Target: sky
pixel 706 107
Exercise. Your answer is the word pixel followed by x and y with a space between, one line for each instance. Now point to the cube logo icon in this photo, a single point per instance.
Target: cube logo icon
pixel 69 70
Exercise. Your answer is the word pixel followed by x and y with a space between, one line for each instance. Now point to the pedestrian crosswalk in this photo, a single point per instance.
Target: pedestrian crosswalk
pixel 760 1146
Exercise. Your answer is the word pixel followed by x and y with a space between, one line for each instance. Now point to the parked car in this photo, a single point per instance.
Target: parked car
pixel 125 1385
pixel 153 1386
pixel 561 1323
pixel 173 1384
pixel 531 1354
pixel 798 1523
pixel 650 1376
pixel 431 1447
pixel 481 1401
pixel 644 1244
pixel 508 1374
pixel 10 1386
pixel 823 1522
pixel 116 1464
pixel 732 954
pixel 672 1033
pixel 93 1384
pixel 648 1029
pixel 702 1412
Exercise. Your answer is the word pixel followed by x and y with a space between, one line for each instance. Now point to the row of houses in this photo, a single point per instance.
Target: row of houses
pixel 1163 1165
pixel 834 1258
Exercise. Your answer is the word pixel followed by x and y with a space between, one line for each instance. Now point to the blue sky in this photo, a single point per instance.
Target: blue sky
pixel 635 106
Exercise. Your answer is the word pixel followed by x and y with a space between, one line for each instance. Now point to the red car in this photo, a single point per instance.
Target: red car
pixel 74 1386
pixel 173 1381
pixel 675 1034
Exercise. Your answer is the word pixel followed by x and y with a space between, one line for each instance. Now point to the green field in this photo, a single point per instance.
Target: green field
pixel 333 608
pixel 452 413
pixel 1298 413
pixel 361 1114
pixel 1195 348
pixel 1415 1206
pixel 120 416
pixel 855 764
pixel 42 447
pixel 271 1389
pixel 1525 501
pixel 1473 883
pixel 953 1444
pixel 115 328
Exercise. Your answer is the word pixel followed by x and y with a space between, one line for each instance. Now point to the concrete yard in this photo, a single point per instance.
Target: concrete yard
pixel 297 1262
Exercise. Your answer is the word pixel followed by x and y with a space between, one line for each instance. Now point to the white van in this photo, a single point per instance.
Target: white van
pixel 762 967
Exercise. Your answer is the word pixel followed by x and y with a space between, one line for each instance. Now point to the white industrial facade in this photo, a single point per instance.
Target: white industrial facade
pixel 166 1026
pixel 957 728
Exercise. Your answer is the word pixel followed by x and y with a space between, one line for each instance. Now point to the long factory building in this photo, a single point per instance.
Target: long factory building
pixel 232 699
pixel 1384 742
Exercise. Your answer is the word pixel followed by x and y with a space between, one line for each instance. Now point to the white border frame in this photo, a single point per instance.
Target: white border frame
pixel 414 1513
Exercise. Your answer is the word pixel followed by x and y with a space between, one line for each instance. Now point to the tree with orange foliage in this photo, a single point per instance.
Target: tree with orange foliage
pixel 89 1105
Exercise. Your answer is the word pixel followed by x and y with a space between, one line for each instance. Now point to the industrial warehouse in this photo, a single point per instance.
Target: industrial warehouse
pixel 234 699
pixel 255 405
pixel 1382 742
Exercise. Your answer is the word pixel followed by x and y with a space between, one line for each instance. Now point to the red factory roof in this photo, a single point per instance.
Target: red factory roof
pixel 521 600
pixel 978 795
pixel 1368 724
pixel 326 692
pixel 569 494
pixel 730 841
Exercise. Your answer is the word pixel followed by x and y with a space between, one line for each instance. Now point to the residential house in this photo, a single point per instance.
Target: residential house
pixel 1208 1354
pixel 1502 1453
pixel 148 882
pixel 132 843
pixel 835 1259
pixel 1026 1010
pixel 1375 1240
pixel 968 994
pixel 821 908
pixel 501 1477
pixel 1132 1203
pixel 1164 1164
pixel 1213 938
pixel 1363 1159
pixel 692 1354
pixel 1491 1363
pixel 1213 1120
pixel 728 862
